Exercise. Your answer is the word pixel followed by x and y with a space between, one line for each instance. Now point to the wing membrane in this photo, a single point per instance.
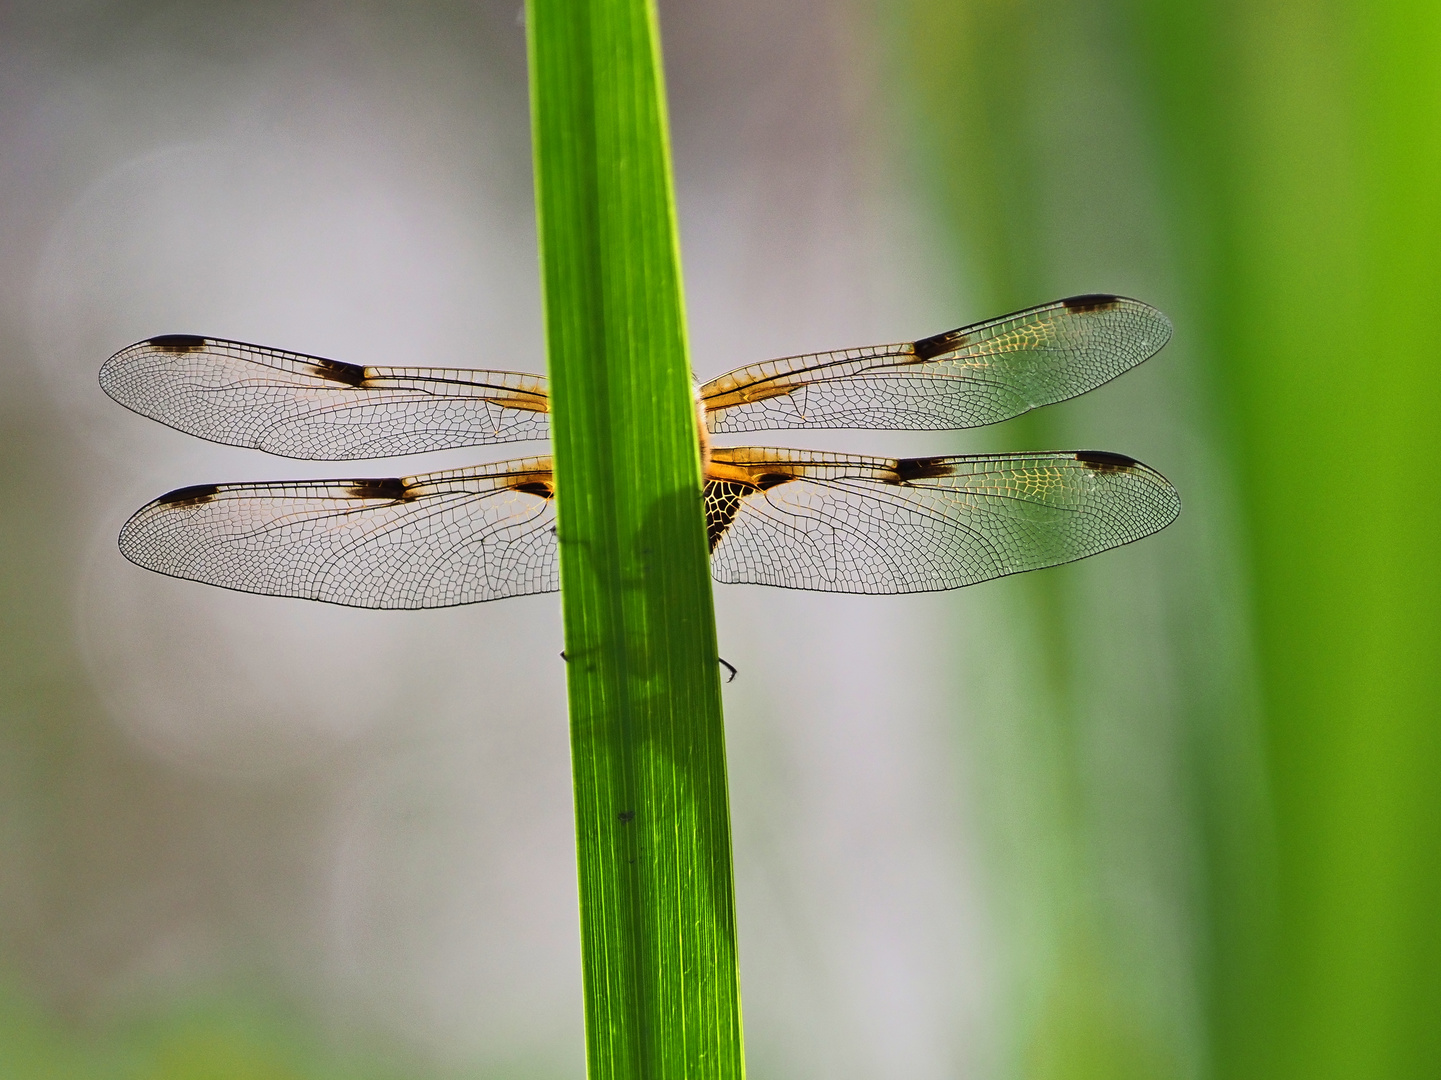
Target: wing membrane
pixel 444 538
pixel 309 407
pixel 790 518
pixel 301 406
pixel 836 523
pixel 977 375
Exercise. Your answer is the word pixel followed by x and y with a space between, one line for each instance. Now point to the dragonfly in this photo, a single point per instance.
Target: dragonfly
pixel 790 518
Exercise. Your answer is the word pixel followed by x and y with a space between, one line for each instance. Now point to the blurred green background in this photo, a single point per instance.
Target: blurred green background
pixel 1170 812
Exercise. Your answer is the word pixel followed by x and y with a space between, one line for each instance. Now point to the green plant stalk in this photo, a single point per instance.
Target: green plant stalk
pixel 1307 139
pixel 657 913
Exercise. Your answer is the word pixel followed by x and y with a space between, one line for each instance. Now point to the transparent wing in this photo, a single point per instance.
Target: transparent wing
pixel 445 538
pixel 970 377
pixel 308 407
pixel 807 520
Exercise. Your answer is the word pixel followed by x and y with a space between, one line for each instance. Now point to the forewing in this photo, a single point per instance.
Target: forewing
pixel 970 377
pixel 445 538
pixel 806 520
pixel 308 407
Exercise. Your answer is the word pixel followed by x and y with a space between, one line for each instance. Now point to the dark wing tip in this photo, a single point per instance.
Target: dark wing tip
pixel 1158 328
pixel 177 343
pixel 1091 302
pixel 195 495
pixel 1105 461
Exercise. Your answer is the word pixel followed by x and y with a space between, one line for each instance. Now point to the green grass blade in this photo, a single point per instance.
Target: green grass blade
pixel 652 819
pixel 1307 141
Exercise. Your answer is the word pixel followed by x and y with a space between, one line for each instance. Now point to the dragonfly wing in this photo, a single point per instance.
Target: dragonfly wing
pixel 835 523
pixel 970 377
pixel 309 407
pixel 445 538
